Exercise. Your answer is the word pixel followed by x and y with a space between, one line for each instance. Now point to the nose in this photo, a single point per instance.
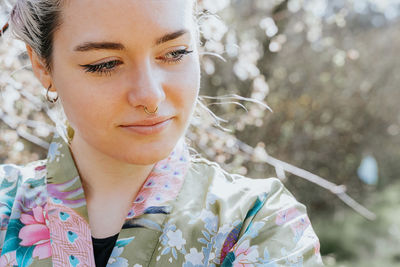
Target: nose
pixel 146 88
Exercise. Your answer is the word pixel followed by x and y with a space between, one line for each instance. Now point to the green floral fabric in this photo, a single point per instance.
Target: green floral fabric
pixel 188 213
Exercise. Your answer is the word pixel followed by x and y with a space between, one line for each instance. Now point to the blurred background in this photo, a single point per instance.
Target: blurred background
pixel 329 70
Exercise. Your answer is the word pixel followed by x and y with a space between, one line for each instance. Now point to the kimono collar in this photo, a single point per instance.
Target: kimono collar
pixel 66 211
pixel 162 184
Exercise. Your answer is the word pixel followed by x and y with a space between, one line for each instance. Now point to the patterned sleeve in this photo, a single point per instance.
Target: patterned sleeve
pixel 9 175
pixel 275 232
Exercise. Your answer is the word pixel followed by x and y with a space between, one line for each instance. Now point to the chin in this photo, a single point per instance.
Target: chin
pixel 144 157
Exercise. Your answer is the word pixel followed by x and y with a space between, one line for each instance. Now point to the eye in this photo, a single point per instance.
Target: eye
pixel 102 68
pixel 174 56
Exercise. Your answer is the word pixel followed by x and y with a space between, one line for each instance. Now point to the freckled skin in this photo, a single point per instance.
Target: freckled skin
pixel 97 104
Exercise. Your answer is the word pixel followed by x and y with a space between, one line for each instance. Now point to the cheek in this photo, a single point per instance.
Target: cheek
pixel 77 110
pixel 186 86
pixel 91 106
pixel 84 108
pixel 82 98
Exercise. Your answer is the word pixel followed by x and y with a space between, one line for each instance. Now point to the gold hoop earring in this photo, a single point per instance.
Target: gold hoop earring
pixel 51 100
pixel 148 112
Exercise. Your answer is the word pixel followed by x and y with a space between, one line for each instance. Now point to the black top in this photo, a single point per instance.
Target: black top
pixel 102 249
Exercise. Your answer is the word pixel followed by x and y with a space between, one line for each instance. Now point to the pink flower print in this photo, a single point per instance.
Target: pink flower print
pixel 245 256
pixel 36 233
pixel 297 221
pixel 286 216
pixel 9 259
pixel 301 224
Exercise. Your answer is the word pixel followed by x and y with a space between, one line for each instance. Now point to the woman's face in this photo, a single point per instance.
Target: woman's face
pixel 113 58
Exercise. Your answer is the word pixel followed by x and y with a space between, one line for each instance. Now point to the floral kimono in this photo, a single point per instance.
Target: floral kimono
pixel 188 212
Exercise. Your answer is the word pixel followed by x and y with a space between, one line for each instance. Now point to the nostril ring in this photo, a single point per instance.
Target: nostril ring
pixel 148 112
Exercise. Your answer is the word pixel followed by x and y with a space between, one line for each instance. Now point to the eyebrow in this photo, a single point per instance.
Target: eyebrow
pixel 87 46
pixel 170 36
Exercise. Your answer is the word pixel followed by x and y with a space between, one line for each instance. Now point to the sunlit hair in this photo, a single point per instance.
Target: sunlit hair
pixel 34 22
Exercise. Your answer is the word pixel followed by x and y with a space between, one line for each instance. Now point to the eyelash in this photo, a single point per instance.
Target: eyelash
pixel 109 67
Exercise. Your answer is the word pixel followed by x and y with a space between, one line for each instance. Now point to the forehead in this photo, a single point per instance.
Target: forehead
pixel 123 19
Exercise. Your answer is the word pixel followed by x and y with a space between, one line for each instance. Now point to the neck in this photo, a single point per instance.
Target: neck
pixel 102 175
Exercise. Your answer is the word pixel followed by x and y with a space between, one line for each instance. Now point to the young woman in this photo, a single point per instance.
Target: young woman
pixel 124 190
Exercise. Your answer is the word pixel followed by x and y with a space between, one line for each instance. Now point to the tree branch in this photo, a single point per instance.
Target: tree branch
pixel 14 123
pixel 338 190
pixel 281 167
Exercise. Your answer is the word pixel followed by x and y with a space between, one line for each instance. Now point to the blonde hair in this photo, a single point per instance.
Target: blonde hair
pixel 34 22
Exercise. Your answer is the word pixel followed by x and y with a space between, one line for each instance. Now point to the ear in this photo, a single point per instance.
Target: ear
pixel 39 68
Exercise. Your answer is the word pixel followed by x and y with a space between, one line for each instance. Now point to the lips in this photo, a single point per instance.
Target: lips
pixel 148 122
pixel 149 126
